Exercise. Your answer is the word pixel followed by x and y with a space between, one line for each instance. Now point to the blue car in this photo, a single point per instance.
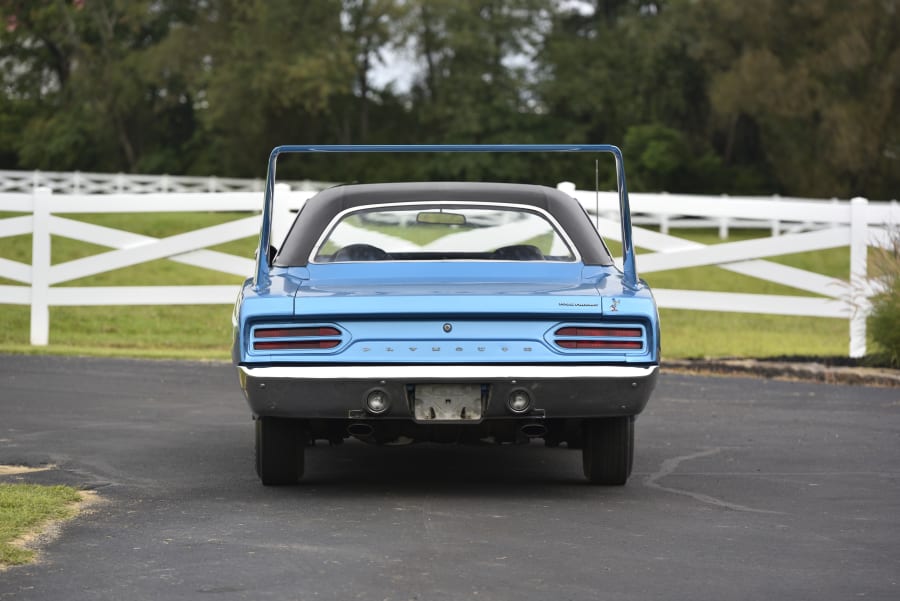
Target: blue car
pixel 445 312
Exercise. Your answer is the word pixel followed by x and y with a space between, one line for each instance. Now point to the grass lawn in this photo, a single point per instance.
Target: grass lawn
pixel 203 332
pixel 26 508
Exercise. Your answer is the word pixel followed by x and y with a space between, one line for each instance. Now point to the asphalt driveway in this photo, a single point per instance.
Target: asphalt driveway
pixel 743 489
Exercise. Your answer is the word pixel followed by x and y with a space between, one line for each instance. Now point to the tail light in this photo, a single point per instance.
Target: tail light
pixel 599 338
pixel 296 338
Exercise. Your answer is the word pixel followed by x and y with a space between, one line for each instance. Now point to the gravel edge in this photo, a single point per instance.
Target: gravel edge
pixel 816 372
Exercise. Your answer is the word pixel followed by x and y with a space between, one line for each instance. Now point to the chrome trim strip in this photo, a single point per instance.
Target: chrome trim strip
pixel 412 373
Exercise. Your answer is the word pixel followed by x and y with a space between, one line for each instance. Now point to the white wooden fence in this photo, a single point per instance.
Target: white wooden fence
pixel 812 225
pixel 78 182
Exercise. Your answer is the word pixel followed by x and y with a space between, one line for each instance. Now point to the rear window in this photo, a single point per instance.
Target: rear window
pixel 443 232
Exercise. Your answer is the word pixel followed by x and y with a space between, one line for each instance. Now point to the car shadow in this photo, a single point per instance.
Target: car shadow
pixel 356 468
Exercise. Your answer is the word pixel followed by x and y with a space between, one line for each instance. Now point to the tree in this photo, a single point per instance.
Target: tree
pixel 819 81
pixel 372 27
pixel 271 71
pixel 705 95
pixel 475 83
pixel 624 65
pixel 84 68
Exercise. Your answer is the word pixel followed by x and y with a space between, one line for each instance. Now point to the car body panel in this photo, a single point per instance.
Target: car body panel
pixel 366 300
pixel 339 392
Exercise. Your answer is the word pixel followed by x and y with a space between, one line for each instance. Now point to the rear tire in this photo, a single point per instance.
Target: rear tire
pixel 280 446
pixel 608 451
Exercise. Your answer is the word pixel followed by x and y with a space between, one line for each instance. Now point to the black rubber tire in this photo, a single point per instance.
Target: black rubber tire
pixel 280 447
pixel 608 451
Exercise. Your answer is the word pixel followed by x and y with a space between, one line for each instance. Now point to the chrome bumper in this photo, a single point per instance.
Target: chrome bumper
pixel 339 392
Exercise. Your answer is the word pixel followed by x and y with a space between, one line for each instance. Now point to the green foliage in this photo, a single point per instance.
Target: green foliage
pixel 25 508
pixel 724 96
pixel 885 317
pixel 885 322
pixel 815 81
pixel 660 158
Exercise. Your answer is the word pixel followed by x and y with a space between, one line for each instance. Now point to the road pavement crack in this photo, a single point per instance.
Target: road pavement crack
pixel 669 466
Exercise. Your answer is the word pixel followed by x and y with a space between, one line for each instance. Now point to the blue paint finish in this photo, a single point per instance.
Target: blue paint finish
pixel 452 288
pixel 254 304
pixel 499 312
pixel 469 341
pixel 446 304
pixel 443 272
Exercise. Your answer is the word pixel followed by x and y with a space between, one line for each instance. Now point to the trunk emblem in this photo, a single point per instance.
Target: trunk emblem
pixel 448 327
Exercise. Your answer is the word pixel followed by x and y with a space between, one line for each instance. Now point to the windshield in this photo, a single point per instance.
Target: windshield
pixel 440 231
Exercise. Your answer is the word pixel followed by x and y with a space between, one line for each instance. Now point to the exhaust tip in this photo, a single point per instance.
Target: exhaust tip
pixel 533 430
pixel 360 429
pixel 519 401
pixel 377 402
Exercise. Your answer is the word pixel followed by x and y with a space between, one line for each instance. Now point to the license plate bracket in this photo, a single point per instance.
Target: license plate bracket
pixel 448 402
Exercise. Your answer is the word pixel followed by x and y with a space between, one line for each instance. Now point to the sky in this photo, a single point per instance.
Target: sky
pixel 400 68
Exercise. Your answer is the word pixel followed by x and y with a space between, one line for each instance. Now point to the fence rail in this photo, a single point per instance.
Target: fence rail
pixel 797 225
pixel 78 182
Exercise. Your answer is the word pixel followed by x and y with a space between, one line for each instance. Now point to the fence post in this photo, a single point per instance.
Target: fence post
pixel 776 224
pixel 858 285
pixel 567 187
pixel 664 217
pixel 40 266
pixel 282 218
pixel 723 223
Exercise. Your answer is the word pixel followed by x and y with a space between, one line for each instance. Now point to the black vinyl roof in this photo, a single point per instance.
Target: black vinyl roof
pixel 321 209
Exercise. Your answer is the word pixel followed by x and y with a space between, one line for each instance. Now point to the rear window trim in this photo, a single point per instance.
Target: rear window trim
pixel 326 232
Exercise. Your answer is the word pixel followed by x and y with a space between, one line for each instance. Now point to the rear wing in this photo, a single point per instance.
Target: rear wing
pixel 261 279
